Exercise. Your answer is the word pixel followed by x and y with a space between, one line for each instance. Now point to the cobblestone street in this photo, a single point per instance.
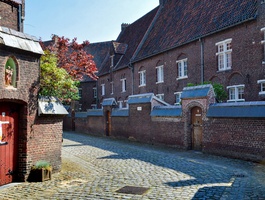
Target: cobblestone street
pixel 104 168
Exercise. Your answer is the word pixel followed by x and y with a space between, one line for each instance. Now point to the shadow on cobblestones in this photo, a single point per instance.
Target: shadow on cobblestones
pixel 212 175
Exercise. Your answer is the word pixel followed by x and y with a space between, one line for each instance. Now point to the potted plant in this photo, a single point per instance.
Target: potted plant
pixel 40 172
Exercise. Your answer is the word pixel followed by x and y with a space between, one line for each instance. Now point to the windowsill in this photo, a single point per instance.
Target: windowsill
pixel 183 77
pixel 263 62
pixel 236 100
pixel 123 91
pixel 142 85
pixel 224 70
pixel 159 82
pixel 261 93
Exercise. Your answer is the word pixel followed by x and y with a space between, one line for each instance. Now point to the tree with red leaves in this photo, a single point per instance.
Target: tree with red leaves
pixel 73 58
pixel 63 65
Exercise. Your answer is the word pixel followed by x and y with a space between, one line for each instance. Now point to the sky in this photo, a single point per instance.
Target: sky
pixel 92 20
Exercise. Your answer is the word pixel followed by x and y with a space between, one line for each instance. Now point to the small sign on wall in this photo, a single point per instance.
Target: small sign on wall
pixel 139 108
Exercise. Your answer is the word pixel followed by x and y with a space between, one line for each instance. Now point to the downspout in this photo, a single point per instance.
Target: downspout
pixel 131 66
pixel 202 60
pixel 19 13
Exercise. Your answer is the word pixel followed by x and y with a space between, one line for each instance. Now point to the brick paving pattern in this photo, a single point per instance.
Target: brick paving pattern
pixel 107 169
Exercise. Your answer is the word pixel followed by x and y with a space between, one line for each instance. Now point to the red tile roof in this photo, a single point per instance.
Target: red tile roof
pixel 183 21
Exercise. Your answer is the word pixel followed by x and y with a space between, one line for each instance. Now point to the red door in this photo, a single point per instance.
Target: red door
pixel 8 143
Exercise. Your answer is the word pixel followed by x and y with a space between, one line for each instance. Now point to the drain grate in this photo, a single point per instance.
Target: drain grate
pixel 133 190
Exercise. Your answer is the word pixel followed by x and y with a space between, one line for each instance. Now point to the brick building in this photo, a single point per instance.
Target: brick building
pixel 142 83
pixel 28 132
pixel 189 42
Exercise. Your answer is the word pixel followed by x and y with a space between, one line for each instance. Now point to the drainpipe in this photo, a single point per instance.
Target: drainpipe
pixel 202 60
pixel 131 66
pixel 19 13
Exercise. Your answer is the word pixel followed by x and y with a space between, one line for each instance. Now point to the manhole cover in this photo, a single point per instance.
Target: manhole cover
pixel 133 190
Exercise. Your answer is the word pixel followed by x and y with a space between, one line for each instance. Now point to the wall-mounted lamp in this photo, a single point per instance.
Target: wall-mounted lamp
pixel 3 114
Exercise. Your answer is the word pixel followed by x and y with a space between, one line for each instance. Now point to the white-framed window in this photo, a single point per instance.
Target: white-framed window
pixel 95 93
pixel 112 88
pixel 103 89
pixel 263 42
pixel 224 54
pixel 262 86
pixel 160 74
pixel 182 68
pixel 142 78
pixel 123 85
pixel 178 98
pixel 160 96
pixel 236 93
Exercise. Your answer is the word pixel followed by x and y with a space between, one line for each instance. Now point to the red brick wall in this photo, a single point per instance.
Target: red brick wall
pixel 45 140
pixel 93 125
pixel 242 138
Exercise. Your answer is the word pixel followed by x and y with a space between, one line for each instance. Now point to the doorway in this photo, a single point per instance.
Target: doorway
pixel 8 143
pixel 196 120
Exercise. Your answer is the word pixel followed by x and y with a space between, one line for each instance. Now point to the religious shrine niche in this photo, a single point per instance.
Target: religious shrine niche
pixel 11 73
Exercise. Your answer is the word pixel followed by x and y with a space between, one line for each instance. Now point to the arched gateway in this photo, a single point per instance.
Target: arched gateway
pixel 195 103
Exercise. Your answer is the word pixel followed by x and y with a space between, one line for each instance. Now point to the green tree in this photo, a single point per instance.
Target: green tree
pixel 55 81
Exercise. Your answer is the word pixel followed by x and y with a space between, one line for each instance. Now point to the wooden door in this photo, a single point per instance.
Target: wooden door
pixel 8 144
pixel 196 115
pixel 108 123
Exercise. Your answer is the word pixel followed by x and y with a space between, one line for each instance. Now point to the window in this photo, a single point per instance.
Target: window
pixel 236 93
pixel 123 85
pixel 262 86
pixel 95 93
pixel 102 89
pixel 80 94
pixel 224 54
pixel 263 42
pixel 160 96
pixel 160 74
pixel 112 87
pixel 178 98
pixel 142 78
pixel 182 69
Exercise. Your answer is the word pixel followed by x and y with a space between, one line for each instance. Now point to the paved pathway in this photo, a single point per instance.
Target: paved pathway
pixel 103 168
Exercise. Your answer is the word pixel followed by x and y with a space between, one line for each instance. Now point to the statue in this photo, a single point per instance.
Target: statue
pixel 8 76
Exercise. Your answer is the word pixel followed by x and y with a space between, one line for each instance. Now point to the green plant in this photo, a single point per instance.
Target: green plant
pixel 42 164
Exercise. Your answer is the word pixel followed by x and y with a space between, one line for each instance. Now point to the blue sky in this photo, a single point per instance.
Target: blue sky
pixel 92 20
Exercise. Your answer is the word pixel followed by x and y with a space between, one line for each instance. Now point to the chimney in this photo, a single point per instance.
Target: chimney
pixel 123 26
